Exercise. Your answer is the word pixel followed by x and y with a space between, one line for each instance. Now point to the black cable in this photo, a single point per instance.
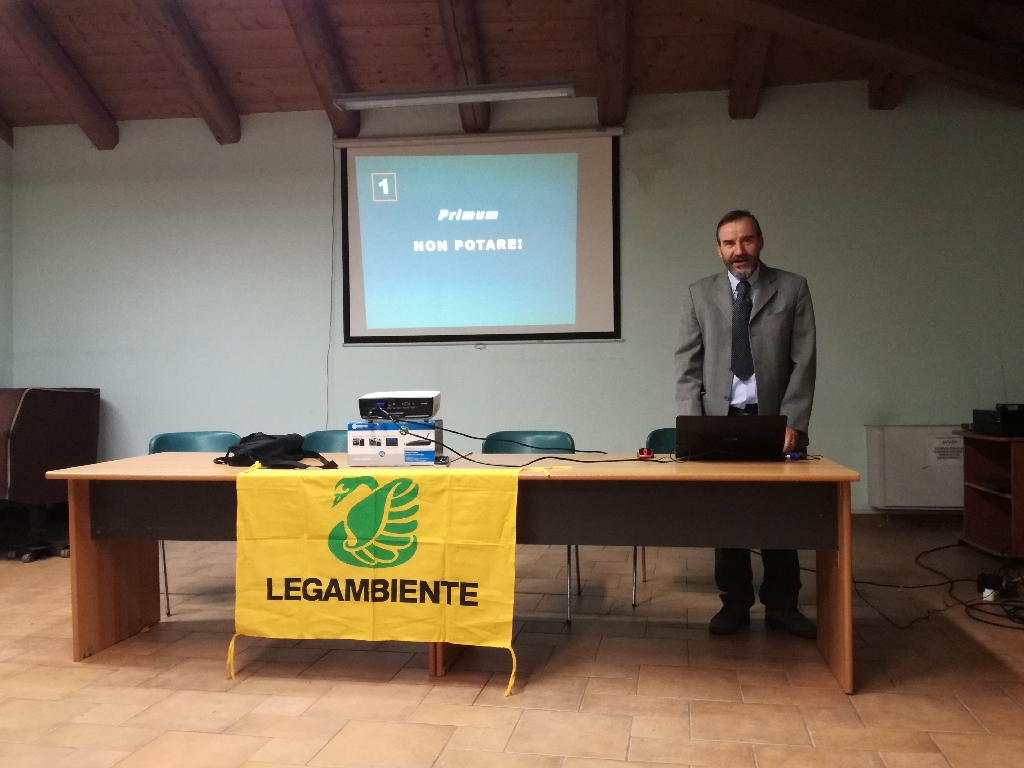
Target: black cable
pixel 474 437
pixel 909 586
pixel 947 581
pixel 1011 609
pixel 335 182
pixel 944 583
pixel 919 555
pixel 515 442
pixel 466 457
pixel 670 459
pixel 560 457
pixel 929 613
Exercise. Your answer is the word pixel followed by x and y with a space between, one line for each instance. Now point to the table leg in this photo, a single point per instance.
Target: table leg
pixel 835 598
pixel 440 657
pixel 115 588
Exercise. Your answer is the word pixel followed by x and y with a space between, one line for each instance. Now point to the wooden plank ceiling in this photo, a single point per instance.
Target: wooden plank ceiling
pixel 97 62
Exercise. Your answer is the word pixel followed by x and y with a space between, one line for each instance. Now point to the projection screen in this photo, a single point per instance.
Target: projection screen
pixel 497 237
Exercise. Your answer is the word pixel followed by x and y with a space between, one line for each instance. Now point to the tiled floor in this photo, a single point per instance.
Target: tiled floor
pixel 644 685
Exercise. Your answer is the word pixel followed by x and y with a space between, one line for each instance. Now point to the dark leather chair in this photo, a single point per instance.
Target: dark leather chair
pixel 187 442
pixel 43 429
pixel 541 441
pixel 327 441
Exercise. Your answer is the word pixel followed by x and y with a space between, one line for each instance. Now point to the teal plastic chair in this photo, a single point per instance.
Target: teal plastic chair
pixel 528 441
pixel 327 441
pixel 662 440
pixel 187 442
pixel 192 442
pixel 541 441
pixel 659 441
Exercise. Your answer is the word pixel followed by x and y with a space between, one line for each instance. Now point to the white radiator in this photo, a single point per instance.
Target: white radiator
pixel 915 467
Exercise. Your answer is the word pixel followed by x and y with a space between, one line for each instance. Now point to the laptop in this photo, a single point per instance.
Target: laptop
pixel 730 438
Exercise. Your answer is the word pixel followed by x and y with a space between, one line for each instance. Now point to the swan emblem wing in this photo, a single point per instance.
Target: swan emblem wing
pixel 378 523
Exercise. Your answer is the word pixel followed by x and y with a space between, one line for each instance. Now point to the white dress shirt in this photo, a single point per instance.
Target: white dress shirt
pixel 744 393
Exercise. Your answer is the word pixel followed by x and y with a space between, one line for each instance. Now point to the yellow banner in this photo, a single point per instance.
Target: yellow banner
pixel 421 555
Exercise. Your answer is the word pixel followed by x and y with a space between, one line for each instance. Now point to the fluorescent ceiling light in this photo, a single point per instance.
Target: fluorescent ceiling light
pixel 462 95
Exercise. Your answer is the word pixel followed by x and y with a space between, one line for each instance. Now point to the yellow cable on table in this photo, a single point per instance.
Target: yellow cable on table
pixel 546 470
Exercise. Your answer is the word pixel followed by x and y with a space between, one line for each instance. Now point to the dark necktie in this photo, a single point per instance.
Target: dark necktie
pixel 742 360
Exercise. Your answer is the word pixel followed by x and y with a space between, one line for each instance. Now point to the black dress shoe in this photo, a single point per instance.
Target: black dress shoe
pixel 729 620
pixel 792 622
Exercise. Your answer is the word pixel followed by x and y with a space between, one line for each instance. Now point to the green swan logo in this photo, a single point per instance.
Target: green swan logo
pixel 379 522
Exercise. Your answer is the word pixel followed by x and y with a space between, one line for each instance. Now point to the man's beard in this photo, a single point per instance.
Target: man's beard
pixel 745 270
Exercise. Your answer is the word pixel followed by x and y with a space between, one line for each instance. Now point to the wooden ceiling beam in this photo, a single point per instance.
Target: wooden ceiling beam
pixel 886 35
pixel 322 52
pixel 1006 22
pixel 748 67
pixel 55 67
pixel 995 20
pixel 462 39
pixel 7 133
pixel 613 35
pixel 885 88
pixel 186 56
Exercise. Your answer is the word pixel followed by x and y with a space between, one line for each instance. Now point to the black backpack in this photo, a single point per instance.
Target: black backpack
pixel 272 452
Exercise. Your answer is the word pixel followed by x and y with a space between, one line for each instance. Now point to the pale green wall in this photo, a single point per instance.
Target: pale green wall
pixel 907 225
pixel 187 280
pixel 6 265
pixel 191 281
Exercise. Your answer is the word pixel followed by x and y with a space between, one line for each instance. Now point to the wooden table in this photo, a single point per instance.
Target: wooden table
pixel 120 509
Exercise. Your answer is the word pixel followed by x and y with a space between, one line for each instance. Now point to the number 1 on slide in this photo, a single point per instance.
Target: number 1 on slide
pixel 385 187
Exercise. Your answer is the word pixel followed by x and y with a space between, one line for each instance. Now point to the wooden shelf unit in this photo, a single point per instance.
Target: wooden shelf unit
pixel 994 520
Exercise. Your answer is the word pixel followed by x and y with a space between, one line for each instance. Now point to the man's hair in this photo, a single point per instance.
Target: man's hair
pixel 737 215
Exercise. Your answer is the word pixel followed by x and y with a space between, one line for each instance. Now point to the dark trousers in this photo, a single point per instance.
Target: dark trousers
pixel 779 589
pixel 734 576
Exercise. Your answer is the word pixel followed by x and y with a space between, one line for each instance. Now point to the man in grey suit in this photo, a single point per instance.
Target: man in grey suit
pixel 746 347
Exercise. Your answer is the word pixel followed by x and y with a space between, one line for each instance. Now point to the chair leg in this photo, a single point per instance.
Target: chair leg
pixel 167 586
pixel 634 577
pixel 579 585
pixel 568 584
pixel 643 560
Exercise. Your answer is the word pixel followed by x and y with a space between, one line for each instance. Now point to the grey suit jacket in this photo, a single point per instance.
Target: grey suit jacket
pixel 781 341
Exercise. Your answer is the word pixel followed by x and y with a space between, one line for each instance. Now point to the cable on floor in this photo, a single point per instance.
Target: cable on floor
pixel 1006 610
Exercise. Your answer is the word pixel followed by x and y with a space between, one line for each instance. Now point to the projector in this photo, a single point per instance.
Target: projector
pixel 399 405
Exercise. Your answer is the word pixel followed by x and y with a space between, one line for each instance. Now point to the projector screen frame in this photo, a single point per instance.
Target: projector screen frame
pixel 410 338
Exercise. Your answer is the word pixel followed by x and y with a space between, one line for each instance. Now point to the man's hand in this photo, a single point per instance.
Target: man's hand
pixel 792 436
